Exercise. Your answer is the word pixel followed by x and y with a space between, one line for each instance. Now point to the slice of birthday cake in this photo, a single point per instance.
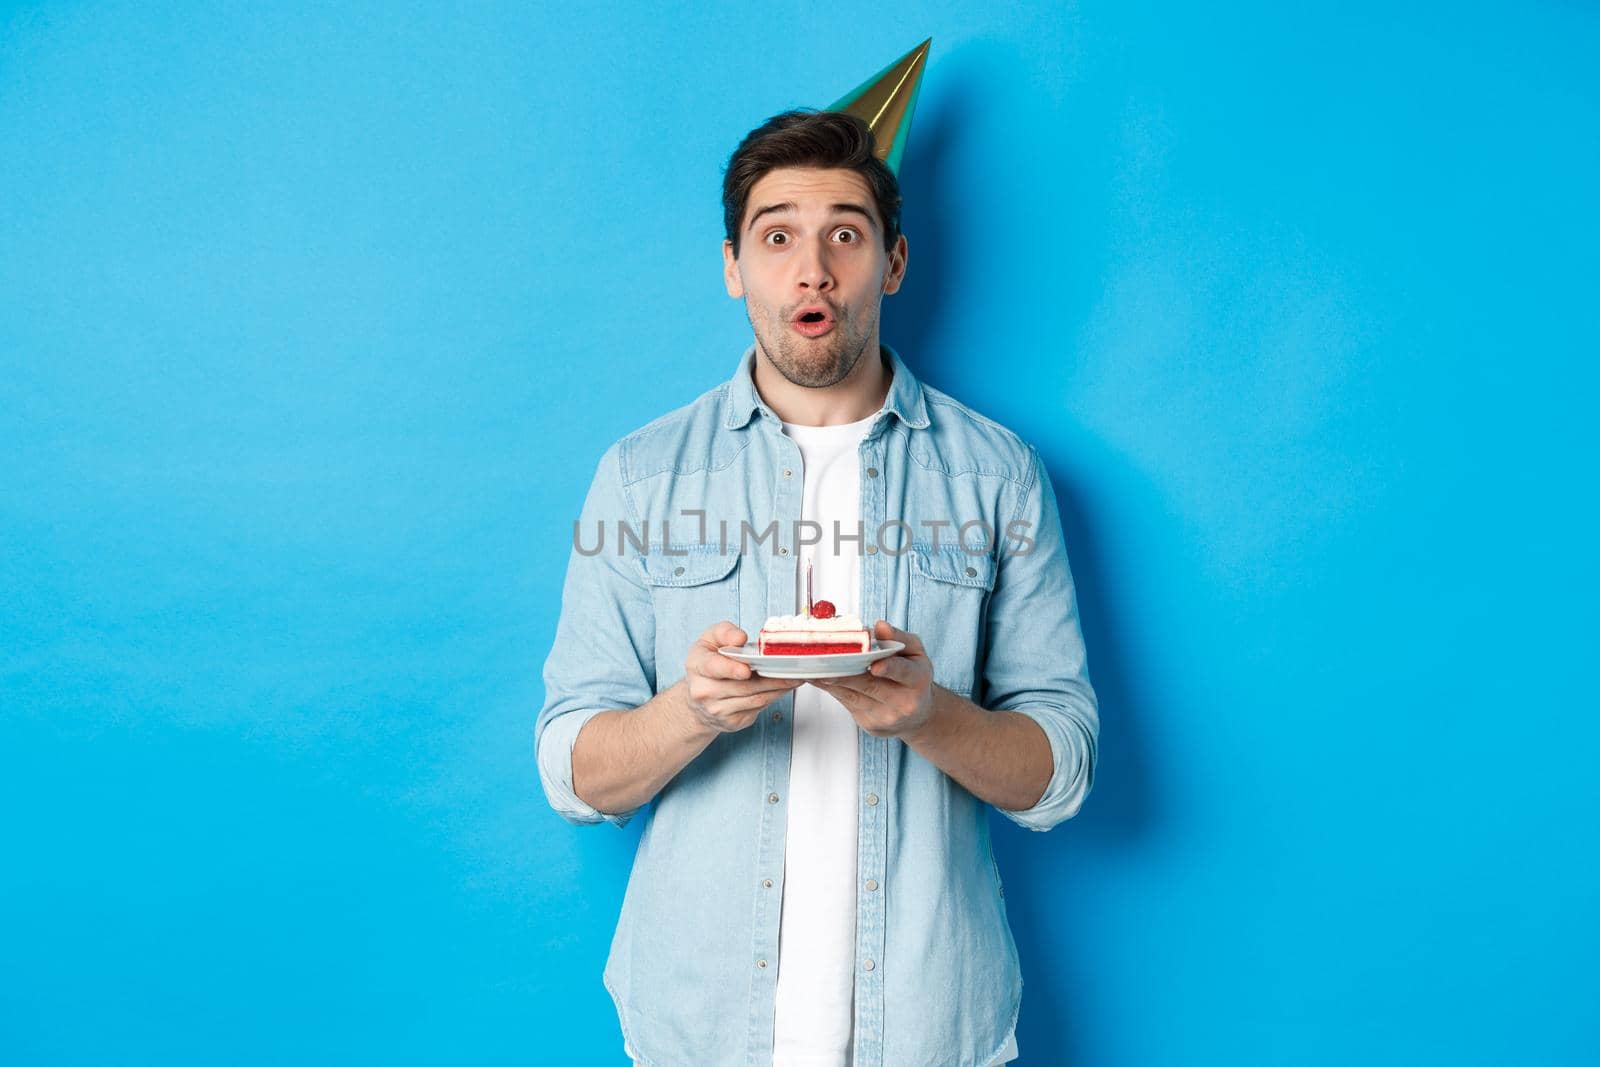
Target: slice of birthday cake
pixel 818 632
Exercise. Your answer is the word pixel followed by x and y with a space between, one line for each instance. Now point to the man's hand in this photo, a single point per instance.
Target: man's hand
pixel 722 694
pixel 895 697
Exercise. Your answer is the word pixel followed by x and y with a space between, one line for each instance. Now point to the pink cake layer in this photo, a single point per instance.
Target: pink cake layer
pixel 813 642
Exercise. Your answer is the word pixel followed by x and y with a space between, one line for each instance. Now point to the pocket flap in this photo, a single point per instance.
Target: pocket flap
pixel 693 564
pixel 954 564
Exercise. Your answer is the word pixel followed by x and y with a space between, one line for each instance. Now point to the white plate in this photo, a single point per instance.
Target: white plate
pixel 831 665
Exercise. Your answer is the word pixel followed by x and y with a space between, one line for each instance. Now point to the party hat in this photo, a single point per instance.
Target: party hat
pixel 886 102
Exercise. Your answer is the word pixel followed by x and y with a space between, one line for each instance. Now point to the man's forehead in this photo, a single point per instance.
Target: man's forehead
pixel 810 189
pixel 821 179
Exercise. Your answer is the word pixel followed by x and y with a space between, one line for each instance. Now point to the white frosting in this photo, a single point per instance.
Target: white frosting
pixel 810 623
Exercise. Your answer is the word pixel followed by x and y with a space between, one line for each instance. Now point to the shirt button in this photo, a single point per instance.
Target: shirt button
pixel 767 882
pixel 783 550
pixel 971 573
pixel 872 798
pixel 761 963
pixel 777 716
pixel 787 473
pixel 869 965
pixel 872 550
pixel 677 571
pixel 872 885
pixel 772 798
pixel 872 472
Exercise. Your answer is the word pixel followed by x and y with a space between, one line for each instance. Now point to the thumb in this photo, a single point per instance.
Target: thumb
pixel 889 632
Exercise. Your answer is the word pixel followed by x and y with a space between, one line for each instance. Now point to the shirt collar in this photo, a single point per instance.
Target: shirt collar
pixel 905 393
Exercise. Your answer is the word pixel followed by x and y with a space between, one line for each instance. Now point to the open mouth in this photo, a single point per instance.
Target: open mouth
pixel 813 323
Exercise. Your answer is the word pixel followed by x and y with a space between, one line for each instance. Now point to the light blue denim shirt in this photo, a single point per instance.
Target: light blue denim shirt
pixel 693 964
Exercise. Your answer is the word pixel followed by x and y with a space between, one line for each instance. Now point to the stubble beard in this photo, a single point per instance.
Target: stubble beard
pixel 814 364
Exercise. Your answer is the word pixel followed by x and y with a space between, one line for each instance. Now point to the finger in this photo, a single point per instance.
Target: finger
pixel 755 683
pixel 722 634
pixel 887 631
pixel 863 709
pixel 726 706
pixel 843 694
pixel 869 681
pixel 758 684
pixel 716 665
pixel 829 685
pixel 848 681
pixel 863 690
pixel 892 669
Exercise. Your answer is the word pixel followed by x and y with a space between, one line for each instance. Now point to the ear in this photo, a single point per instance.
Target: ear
pixel 896 272
pixel 730 271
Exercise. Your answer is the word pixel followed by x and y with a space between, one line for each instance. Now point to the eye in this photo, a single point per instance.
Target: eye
pixel 776 234
pixel 851 231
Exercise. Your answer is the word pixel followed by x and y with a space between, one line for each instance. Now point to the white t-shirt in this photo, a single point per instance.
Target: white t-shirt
pixel 817 931
pixel 815 1011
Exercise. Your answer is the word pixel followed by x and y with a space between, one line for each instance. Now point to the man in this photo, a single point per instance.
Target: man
pixel 815 884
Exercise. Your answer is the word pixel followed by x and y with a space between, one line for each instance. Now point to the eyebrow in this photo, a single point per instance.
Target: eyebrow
pixel 835 208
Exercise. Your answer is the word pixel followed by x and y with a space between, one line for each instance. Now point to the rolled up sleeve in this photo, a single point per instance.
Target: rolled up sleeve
pixel 1034 661
pixel 603 657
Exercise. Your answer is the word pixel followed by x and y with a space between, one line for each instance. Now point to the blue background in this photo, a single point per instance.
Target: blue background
pixel 314 320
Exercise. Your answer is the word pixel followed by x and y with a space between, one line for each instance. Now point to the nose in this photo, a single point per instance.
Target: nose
pixel 812 267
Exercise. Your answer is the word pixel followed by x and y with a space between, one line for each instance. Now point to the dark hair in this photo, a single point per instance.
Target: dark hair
pixel 808 138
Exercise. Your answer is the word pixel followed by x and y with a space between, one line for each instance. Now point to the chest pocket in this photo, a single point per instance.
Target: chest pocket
pixel 690 592
pixel 949 602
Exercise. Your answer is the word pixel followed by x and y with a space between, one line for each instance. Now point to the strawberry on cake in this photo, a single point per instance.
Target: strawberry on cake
pixel 819 631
